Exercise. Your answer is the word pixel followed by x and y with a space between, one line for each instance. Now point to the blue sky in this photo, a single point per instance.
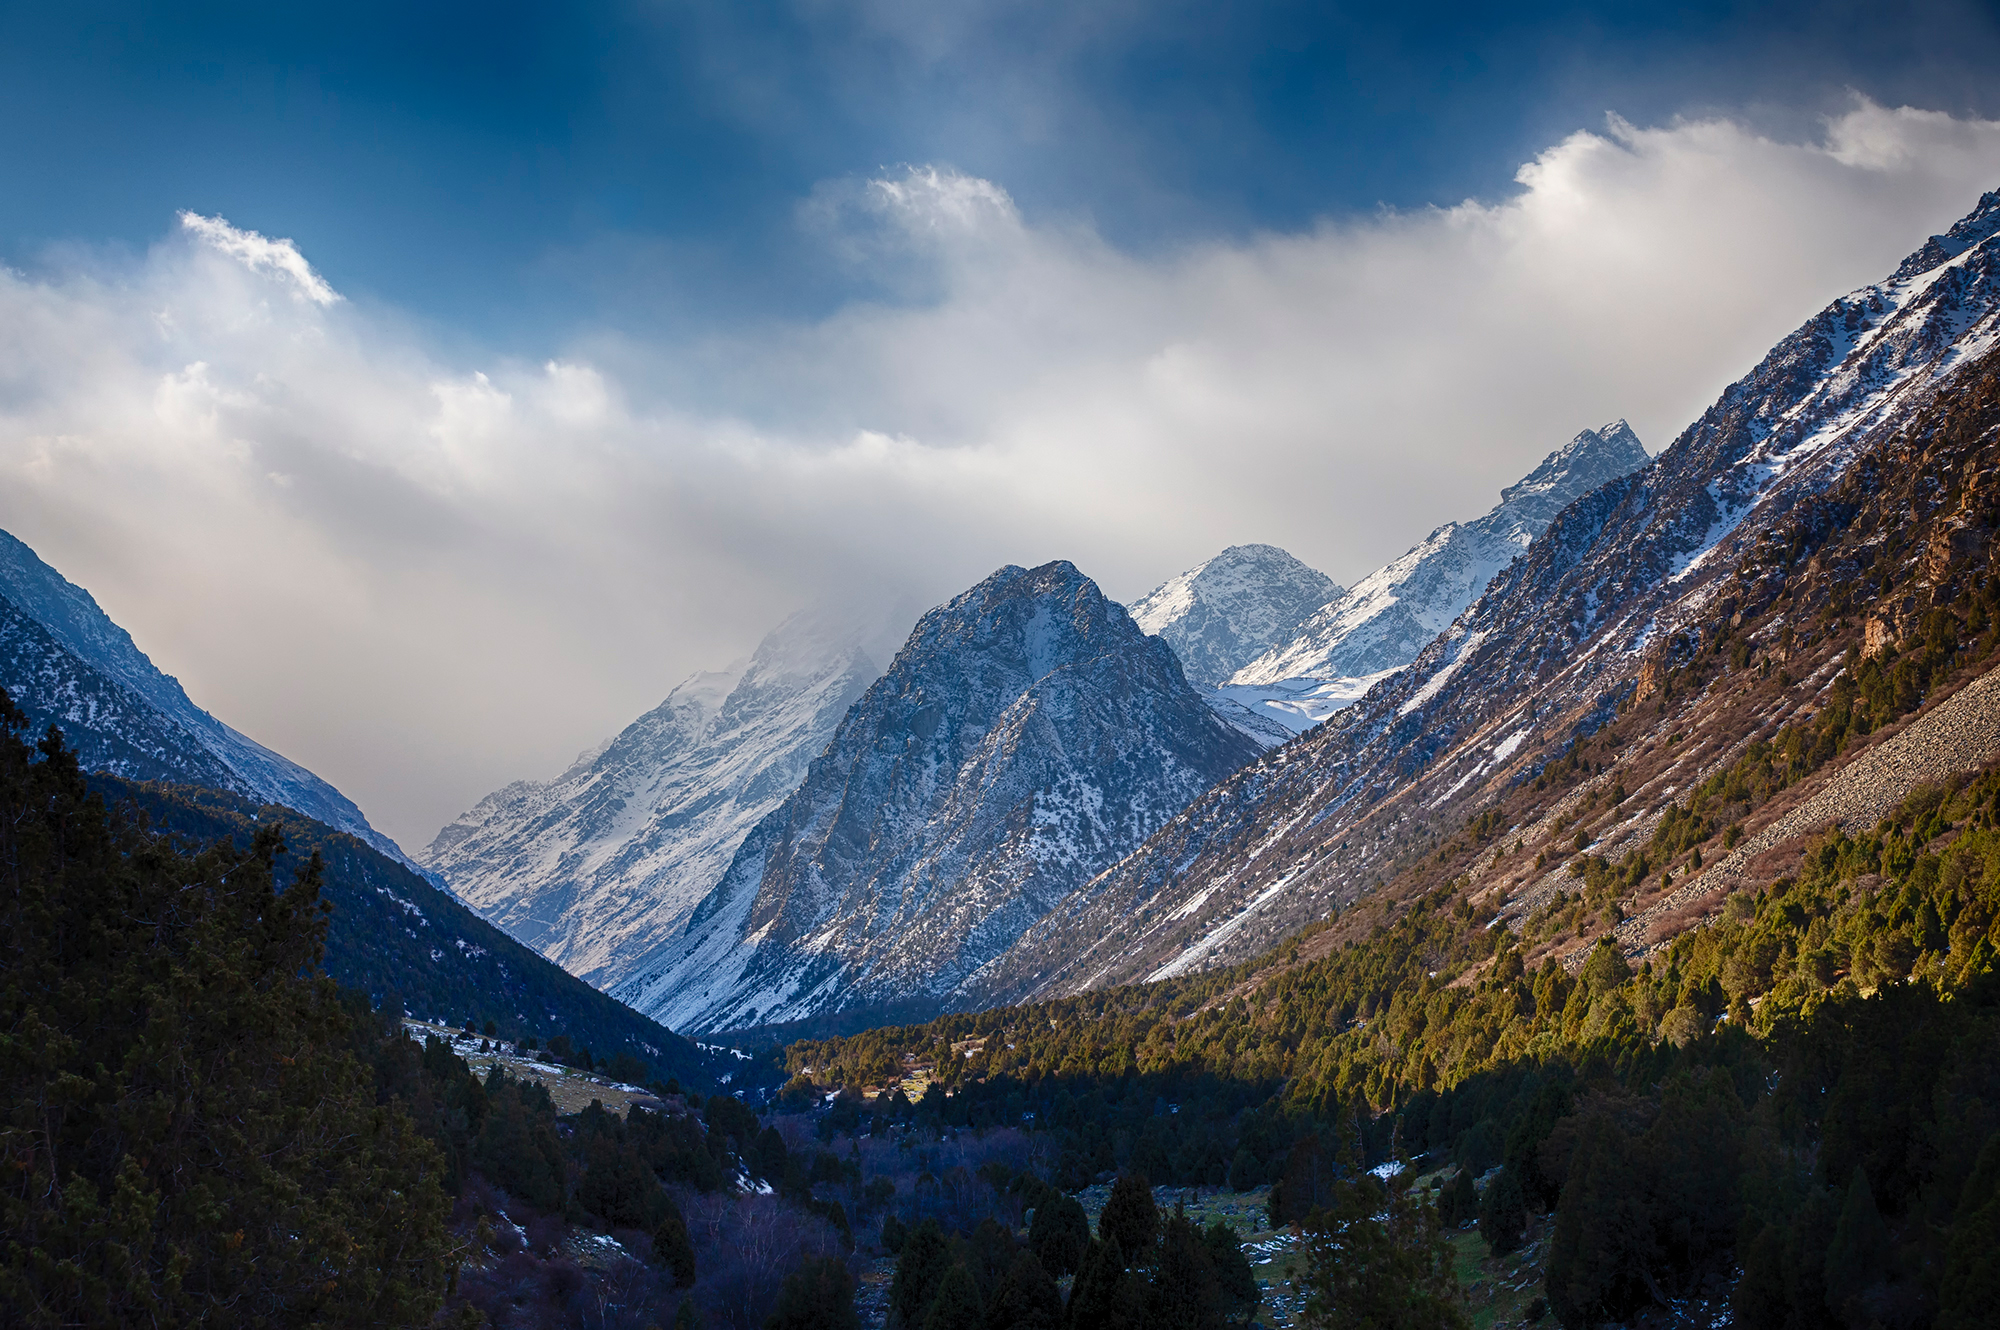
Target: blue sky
pixel 533 358
pixel 517 172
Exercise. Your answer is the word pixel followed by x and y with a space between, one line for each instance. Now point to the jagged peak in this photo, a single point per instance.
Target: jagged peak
pixel 1967 231
pixel 1607 451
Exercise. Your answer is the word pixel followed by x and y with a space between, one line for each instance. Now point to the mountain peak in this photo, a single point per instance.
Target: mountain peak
pixel 1590 459
pixel 1027 736
pixel 1967 231
pixel 1223 613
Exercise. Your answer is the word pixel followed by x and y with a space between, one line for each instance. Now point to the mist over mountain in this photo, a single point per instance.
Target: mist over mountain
pixel 598 867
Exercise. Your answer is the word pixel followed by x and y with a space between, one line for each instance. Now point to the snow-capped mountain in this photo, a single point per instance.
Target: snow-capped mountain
pixel 1027 736
pixel 64 662
pixel 1381 624
pixel 596 868
pixel 1656 562
pixel 1221 614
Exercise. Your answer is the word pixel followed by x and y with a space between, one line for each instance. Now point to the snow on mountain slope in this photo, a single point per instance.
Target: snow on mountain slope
pixel 1028 735
pixel 1553 646
pixel 1220 615
pixel 66 663
pixel 1390 615
pixel 597 867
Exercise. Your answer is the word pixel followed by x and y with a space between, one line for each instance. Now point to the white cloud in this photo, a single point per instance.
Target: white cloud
pixel 259 254
pixel 424 577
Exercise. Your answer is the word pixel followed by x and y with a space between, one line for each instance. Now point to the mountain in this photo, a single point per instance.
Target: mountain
pixel 597 867
pixel 1026 737
pixel 394 936
pixel 1381 624
pixel 1221 614
pixel 66 663
pixel 1811 521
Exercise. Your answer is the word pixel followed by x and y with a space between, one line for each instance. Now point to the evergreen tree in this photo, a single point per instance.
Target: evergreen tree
pixel 1602 1244
pixel 1026 1299
pixel 1503 1214
pixel 1130 1219
pixel 1233 1274
pixel 1104 1296
pixel 1858 1257
pixel 617 1186
pixel 1185 1293
pixel 1458 1203
pixel 956 1306
pixel 672 1245
pixel 919 1270
pixel 819 1295
pixel 1376 1258
pixel 188 1132
pixel 1969 1290
pixel 1060 1233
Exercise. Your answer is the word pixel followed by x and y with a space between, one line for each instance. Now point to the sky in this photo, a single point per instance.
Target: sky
pixel 430 388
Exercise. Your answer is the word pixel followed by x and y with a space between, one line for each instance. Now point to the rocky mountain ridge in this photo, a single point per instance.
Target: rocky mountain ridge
pixel 1382 622
pixel 1558 640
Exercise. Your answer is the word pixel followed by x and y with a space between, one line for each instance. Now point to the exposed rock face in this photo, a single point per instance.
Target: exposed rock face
pixel 1555 643
pixel 1027 737
pixel 596 868
pixel 1221 614
pixel 65 663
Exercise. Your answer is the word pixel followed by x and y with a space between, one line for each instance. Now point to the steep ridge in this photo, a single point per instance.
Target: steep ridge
pixel 1227 611
pixel 66 663
pixel 1026 737
pixel 1381 624
pixel 1644 565
pixel 598 867
pixel 394 936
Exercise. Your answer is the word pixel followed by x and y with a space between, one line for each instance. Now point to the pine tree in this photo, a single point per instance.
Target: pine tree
pixel 1130 1219
pixel 1027 1297
pixel 1858 1256
pixel 190 1134
pixel 673 1247
pixel 1233 1274
pixel 1060 1234
pixel 818 1295
pixel 919 1270
pixel 1185 1293
pixel 1376 1258
pixel 1503 1214
pixel 957 1305
pixel 1458 1204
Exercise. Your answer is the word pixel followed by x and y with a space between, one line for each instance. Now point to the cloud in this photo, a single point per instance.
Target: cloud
pixel 258 254
pixel 425 572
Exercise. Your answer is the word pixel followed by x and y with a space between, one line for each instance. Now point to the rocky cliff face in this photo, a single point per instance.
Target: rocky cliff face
pixel 1221 614
pixel 65 663
pixel 598 867
pixel 1027 737
pixel 1553 646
